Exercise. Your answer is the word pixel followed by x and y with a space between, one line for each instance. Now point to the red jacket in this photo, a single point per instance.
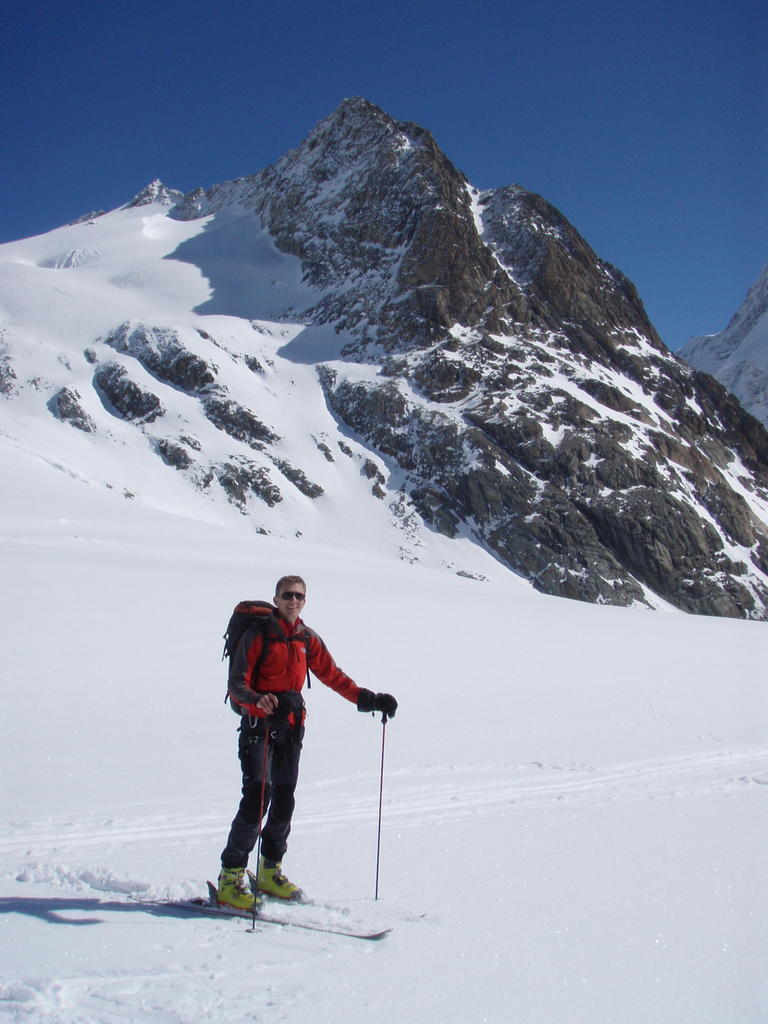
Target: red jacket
pixel 284 666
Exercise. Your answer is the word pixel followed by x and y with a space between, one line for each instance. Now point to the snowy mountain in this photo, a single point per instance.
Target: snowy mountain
pixel 357 323
pixel 738 355
pixel 572 796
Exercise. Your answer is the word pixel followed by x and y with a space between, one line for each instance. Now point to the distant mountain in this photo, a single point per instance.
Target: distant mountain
pixel 738 355
pixel 358 319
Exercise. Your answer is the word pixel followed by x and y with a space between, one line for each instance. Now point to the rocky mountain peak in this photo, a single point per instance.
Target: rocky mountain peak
pixel 504 382
pixel 350 133
pixel 557 426
pixel 405 249
pixel 382 222
pixel 155 192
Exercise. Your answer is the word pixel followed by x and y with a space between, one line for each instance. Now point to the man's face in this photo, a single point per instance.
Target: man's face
pixel 290 601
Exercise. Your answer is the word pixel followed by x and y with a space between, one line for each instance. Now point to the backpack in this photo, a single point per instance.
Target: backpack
pixel 254 615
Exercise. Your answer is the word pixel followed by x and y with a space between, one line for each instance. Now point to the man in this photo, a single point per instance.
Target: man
pixel 266 676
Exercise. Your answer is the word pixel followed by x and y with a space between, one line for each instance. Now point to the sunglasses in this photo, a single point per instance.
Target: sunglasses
pixel 289 595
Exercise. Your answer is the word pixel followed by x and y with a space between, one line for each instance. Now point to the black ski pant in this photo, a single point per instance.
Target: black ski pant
pixel 270 767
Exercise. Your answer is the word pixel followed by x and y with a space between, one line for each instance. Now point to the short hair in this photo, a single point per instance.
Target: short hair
pixel 289 579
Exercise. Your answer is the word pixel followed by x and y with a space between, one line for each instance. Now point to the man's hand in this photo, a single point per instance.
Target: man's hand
pixel 369 701
pixel 267 703
pixel 385 702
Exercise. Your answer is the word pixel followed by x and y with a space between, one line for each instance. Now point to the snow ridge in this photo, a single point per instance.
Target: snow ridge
pixel 738 355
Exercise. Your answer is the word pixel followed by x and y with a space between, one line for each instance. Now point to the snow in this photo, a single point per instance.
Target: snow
pixel 738 355
pixel 574 816
pixel 476 209
pixel 574 799
pixel 50 318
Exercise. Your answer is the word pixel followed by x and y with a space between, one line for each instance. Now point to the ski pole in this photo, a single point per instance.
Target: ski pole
pixel 381 795
pixel 264 767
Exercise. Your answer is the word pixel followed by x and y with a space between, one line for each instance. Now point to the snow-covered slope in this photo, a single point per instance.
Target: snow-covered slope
pixel 101 302
pixel 574 820
pixel 738 355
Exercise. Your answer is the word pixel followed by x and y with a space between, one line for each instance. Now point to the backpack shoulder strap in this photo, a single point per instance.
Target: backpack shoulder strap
pixel 307 635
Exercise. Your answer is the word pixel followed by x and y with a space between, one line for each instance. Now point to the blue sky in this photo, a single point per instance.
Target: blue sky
pixel 645 124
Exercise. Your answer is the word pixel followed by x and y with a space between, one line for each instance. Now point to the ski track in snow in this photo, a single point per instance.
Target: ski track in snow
pixel 415 798
pixel 191 969
pixel 442 794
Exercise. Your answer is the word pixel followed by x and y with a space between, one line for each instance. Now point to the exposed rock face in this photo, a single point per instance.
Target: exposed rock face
pixel 173 454
pixel 237 421
pixel 299 479
pixel 516 383
pixel 242 478
pixel 7 375
pixel 66 405
pixel 125 397
pixel 161 351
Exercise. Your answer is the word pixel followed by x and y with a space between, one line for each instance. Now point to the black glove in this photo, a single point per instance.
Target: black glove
pixel 384 702
pixel 289 702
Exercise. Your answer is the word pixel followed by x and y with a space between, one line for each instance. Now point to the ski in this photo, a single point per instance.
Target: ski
pixel 199 905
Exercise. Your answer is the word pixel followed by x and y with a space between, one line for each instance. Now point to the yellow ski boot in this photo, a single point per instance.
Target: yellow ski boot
pixel 271 881
pixel 234 891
